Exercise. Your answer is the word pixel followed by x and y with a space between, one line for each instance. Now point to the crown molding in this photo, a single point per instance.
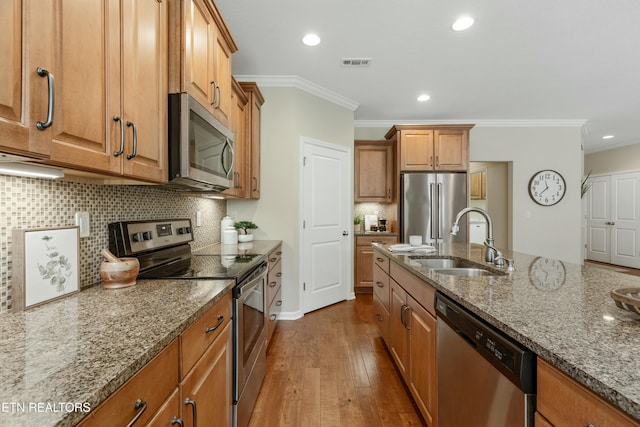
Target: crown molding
pixel 478 123
pixel 302 84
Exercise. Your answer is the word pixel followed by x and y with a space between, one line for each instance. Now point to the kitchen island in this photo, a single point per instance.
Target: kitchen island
pixel 62 359
pixel 561 311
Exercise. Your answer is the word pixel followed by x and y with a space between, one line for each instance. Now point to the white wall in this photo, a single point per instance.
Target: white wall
pixel 287 114
pixel 620 159
pixel 545 231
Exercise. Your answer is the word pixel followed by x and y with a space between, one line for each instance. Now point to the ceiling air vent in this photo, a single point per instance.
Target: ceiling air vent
pixel 356 62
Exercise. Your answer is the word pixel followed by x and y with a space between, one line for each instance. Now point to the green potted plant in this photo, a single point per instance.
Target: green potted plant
pixel 246 227
pixel 357 223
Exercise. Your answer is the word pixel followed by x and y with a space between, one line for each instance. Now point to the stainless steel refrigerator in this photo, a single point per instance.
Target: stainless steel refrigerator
pixel 429 203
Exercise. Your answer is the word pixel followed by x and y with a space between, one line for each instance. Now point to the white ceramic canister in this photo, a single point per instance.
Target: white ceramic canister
pixel 230 236
pixel 227 221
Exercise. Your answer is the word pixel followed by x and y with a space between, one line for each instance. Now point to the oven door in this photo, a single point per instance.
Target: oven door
pixel 249 337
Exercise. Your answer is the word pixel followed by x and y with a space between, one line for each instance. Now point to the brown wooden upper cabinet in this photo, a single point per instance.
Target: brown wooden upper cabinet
pixel 200 48
pixel 373 171
pixel 252 167
pixel 478 187
pixel 431 147
pixel 241 148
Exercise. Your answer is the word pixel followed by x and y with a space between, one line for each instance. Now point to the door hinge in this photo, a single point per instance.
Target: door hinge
pixel 304 161
pixel 304 286
pixel 304 224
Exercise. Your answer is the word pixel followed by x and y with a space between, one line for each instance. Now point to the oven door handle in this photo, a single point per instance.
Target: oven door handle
pixel 257 275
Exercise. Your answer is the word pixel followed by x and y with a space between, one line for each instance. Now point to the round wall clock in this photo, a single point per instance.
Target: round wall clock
pixel 547 187
pixel 547 274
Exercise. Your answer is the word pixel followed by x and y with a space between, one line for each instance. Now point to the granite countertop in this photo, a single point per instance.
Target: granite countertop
pixel 564 313
pixel 81 348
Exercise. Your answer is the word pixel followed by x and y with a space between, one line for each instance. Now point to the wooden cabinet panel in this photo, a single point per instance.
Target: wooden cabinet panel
pixel 222 106
pixel 273 281
pixel 253 136
pixel 273 313
pixel 364 260
pixel 381 286
pixel 201 334
pixel 416 150
pixel 373 172
pixel 451 150
pixel 239 113
pixel 398 337
pixel 150 386
pixel 541 421
pixel 24 93
pixel 381 316
pixel 169 412
pixel 422 360
pixel 273 294
pixel 478 186
pixel 564 402
pixel 206 392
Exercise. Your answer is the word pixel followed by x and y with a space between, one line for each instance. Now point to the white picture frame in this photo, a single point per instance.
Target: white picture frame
pixel 46 265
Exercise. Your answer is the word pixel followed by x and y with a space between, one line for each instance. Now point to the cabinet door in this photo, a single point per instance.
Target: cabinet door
pixel 416 150
pixel 207 390
pixel 23 93
pixel 222 77
pixel 373 173
pixel 364 266
pixel 254 136
pixel 144 89
pixel 451 150
pixel 87 84
pixel 398 334
pixel 239 115
pixel 422 360
pixel 199 52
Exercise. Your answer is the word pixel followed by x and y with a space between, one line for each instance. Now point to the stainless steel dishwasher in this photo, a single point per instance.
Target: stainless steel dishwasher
pixel 484 377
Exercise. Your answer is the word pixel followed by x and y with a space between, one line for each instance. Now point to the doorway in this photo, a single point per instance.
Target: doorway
pixel 326 198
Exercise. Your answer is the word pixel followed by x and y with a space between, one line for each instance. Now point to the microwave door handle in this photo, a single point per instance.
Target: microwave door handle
pixel 228 144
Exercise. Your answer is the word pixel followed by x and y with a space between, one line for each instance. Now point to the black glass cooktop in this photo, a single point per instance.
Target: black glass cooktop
pixel 215 267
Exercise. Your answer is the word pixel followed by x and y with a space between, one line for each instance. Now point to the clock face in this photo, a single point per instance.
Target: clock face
pixel 547 274
pixel 547 187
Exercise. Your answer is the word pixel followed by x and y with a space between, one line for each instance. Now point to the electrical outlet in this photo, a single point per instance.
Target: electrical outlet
pixel 82 220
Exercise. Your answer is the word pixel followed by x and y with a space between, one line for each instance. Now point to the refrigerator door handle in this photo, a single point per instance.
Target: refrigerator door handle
pixel 440 205
pixel 433 218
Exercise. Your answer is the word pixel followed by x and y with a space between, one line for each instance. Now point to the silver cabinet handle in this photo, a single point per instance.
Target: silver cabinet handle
pixel 278 274
pixel 272 284
pixel 176 420
pixel 273 317
pixel 255 187
pixel 437 161
pixel 141 406
pixel 194 411
pixel 379 259
pixel 216 326
pixel 214 100
pixel 51 102
pixel 380 284
pixel 217 88
pixel 121 150
pixel 135 141
pixel 379 317
pixel 404 310
pixel 278 303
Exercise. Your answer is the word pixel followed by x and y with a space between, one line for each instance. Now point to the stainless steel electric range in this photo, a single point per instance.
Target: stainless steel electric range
pixel 164 252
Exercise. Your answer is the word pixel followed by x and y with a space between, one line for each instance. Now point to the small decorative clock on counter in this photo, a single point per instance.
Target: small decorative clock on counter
pixel 547 187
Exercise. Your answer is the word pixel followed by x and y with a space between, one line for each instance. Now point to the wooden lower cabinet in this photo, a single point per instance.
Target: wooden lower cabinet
pixel 561 401
pixel 191 376
pixel 273 294
pixel 363 280
pixel 408 328
pixel 205 393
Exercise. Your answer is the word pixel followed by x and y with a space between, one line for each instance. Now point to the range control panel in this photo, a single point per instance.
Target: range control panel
pixel 134 237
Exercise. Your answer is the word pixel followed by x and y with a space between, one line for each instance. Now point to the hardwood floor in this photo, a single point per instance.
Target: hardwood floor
pixel 330 368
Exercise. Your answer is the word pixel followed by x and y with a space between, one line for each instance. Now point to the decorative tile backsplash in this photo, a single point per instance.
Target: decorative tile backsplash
pixel 38 203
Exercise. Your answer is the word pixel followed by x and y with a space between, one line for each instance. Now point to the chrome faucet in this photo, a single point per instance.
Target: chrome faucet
pixel 492 252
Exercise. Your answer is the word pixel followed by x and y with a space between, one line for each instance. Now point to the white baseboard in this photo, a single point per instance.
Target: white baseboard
pixel 290 315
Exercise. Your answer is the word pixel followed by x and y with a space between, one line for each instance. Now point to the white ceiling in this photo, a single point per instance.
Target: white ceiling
pixel 526 62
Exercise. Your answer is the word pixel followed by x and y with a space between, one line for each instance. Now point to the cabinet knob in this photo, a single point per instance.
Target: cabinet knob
pixel 140 406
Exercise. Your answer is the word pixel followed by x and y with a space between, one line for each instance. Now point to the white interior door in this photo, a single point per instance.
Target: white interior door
pixel 326 213
pixel 625 220
pixel 598 220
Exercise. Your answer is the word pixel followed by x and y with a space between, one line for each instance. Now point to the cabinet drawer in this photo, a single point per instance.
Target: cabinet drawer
pixel 381 261
pixel 564 402
pixel 368 240
pixel 274 280
pixel 170 409
pixel 274 312
pixel 274 257
pixel 151 386
pixel 381 318
pixel 381 286
pixel 195 340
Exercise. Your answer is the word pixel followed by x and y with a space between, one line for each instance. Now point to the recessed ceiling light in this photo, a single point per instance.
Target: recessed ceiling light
pixel 607 137
pixel 311 39
pixel 424 97
pixel 462 23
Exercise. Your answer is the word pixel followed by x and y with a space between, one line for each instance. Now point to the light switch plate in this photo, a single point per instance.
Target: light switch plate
pixel 82 220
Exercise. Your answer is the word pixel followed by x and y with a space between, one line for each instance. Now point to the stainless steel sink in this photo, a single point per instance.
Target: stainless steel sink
pixel 464 271
pixel 447 263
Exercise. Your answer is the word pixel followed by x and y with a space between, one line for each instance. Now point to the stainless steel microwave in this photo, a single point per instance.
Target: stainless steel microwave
pixel 200 147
